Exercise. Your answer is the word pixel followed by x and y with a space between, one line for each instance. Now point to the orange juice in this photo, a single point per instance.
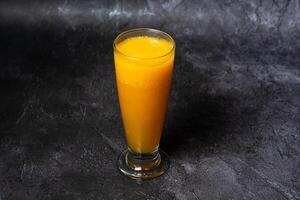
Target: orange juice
pixel 144 68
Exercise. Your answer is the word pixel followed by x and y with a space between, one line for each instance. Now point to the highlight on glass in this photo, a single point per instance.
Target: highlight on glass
pixel 144 60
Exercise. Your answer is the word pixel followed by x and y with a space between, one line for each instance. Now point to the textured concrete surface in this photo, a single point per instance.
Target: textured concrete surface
pixel 232 129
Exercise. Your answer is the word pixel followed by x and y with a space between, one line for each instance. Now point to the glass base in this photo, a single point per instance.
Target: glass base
pixel 143 166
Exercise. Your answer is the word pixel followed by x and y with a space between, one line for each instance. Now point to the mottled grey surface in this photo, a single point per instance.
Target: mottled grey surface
pixel 233 123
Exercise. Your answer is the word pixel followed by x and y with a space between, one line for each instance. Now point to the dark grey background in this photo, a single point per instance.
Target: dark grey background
pixel 232 129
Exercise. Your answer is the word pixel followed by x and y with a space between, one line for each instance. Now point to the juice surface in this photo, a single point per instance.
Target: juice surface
pixel 144 47
pixel 143 89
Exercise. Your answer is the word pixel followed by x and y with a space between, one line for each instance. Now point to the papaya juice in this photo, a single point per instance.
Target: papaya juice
pixel 144 68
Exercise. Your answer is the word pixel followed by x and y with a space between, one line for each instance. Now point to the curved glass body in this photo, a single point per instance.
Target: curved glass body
pixel 143 64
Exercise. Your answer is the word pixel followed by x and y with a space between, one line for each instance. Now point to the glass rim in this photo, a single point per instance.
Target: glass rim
pixel 144 29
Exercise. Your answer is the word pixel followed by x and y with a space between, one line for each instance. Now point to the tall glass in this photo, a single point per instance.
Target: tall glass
pixel 144 64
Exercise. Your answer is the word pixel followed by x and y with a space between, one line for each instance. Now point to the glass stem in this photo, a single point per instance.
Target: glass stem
pixel 142 162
